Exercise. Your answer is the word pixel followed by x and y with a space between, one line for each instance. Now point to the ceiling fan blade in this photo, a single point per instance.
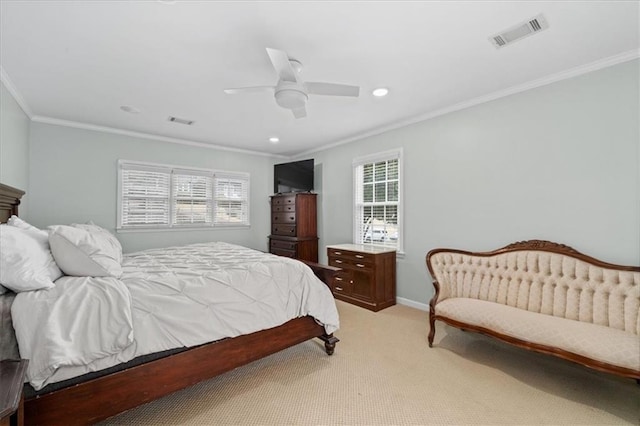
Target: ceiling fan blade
pixel 280 62
pixel 299 112
pixel 233 91
pixel 332 89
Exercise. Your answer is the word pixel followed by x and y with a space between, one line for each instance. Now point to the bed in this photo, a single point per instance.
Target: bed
pixel 94 396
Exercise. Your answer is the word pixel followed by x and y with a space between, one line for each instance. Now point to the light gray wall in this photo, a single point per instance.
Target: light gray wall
pixel 560 162
pixel 14 146
pixel 74 179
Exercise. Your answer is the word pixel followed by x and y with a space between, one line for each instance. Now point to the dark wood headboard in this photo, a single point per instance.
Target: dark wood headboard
pixel 9 201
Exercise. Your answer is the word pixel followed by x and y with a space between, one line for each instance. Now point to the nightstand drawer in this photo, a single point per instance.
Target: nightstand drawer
pixel 351 255
pixel 348 262
pixel 342 284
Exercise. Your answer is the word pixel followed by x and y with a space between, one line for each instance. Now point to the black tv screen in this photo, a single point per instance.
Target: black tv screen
pixel 293 177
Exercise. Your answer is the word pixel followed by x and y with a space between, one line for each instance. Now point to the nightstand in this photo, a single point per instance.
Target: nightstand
pixel 12 374
pixel 368 275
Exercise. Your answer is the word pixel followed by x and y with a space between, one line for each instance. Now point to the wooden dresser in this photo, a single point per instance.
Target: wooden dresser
pixel 368 276
pixel 294 226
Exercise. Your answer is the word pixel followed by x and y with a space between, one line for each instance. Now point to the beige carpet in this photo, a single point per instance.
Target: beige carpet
pixel 383 372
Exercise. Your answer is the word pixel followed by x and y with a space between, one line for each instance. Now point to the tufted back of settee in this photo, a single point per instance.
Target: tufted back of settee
pixel 545 282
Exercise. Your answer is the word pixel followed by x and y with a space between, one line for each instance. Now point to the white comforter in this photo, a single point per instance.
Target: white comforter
pixel 167 298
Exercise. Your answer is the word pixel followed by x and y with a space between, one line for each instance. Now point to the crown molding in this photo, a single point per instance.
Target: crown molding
pixel 563 75
pixel 570 73
pixel 116 131
pixel 4 77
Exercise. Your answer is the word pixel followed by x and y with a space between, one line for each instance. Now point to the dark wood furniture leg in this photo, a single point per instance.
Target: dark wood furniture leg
pixel 329 343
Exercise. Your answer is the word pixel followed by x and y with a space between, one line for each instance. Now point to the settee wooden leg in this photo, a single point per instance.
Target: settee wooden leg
pixel 432 330
pixel 329 343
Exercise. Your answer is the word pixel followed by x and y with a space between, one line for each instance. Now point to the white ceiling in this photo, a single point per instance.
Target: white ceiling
pixel 78 62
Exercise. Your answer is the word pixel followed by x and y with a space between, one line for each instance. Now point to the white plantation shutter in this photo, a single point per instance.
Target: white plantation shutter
pixel 231 199
pixel 192 197
pixel 157 196
pixel 144 196
pixel 377 203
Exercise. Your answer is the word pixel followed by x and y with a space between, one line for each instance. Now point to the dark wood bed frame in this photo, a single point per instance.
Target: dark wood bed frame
pixel 106 396
pixel 539 245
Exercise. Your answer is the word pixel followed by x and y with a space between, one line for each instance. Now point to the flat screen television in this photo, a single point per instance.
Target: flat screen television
pixel 296 176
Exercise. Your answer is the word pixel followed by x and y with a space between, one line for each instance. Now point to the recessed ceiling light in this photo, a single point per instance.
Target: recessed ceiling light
pixel 380 91
pixel 274 139
pixel 130 109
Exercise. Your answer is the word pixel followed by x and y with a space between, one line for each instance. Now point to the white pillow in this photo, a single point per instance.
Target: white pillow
pixel 25 263
pixel 109 238
pixel 41 235
pixel 81 253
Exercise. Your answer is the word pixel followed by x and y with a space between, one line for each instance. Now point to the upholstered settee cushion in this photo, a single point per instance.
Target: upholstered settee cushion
pixel 600 343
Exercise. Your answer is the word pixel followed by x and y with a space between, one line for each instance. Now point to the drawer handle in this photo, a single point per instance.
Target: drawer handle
pixel 359 265
pixel 292 218
pixel 339 288
pixel 338 261
pixel 338 279
pixel 337 253
pixel 359 256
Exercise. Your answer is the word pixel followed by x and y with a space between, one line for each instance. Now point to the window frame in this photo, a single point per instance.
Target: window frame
pixel 174 170
pixel 358 191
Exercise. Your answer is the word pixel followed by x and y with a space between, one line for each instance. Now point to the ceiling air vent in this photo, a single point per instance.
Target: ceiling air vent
pixel 519 31
pixel 181 121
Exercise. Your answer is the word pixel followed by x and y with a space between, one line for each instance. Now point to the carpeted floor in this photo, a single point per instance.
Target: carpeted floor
pixel 383 372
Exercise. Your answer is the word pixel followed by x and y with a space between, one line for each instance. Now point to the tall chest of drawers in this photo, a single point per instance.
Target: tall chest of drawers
pixel 294 226
pixel 368 276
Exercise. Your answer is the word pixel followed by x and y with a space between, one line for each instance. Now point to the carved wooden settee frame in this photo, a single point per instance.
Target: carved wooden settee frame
pixel 531 245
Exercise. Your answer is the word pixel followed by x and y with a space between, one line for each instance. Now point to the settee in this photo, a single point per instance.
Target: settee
pixel 544 297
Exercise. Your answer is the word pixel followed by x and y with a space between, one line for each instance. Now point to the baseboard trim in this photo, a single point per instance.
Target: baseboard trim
pixel 412 304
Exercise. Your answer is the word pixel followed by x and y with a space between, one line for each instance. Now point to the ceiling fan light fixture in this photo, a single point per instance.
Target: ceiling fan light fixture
pixel 290 91
pixel 380 92
pixel 291 98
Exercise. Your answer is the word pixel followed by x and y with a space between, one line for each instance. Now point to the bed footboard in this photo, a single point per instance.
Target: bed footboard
pixel 100 398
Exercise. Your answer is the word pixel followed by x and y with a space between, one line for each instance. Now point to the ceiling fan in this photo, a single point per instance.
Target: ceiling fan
pixel 290 91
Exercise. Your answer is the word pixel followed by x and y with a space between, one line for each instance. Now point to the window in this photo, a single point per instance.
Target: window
pixel 158 196
pixel 378 199
pixel 231 195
